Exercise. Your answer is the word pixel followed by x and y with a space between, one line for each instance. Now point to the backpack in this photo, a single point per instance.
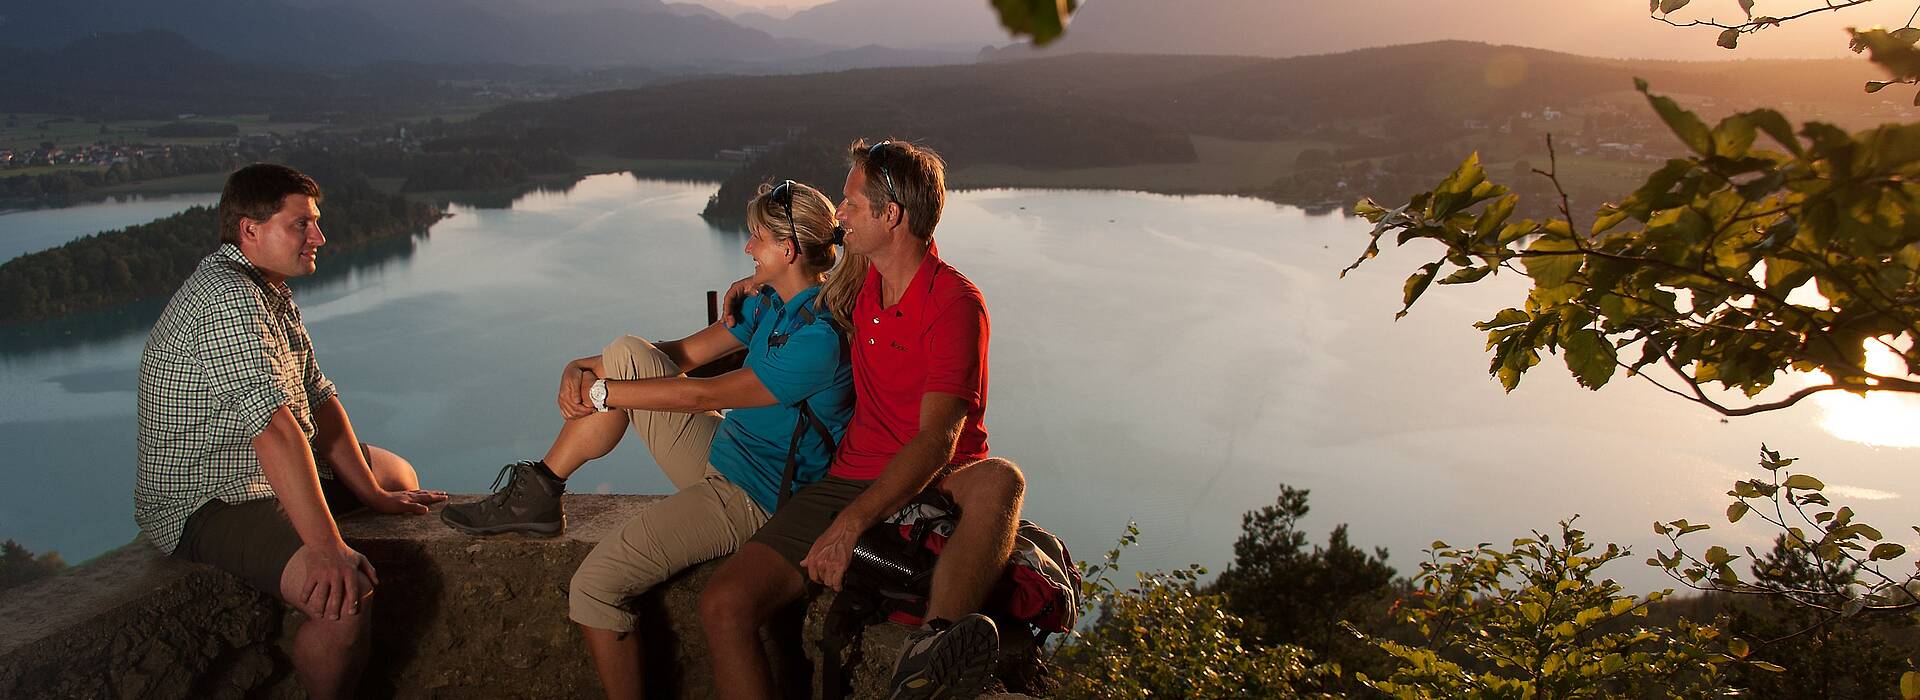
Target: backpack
pixel 891 572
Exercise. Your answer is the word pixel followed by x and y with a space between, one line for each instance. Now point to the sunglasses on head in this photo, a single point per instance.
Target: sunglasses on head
pixel 783 196
pixel 873 155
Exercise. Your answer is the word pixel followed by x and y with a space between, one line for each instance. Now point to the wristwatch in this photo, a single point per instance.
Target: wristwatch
pixel 598 394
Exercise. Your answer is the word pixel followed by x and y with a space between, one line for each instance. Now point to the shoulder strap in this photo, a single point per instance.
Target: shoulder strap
pixel 807 418
pixel 845 626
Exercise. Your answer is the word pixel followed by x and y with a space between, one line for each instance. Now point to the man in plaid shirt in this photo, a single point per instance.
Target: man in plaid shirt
pixel 246 454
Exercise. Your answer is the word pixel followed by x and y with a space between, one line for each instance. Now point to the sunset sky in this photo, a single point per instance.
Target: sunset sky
pixel 1611 28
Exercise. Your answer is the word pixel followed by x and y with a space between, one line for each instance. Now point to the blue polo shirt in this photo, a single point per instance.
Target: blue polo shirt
pixel 811 365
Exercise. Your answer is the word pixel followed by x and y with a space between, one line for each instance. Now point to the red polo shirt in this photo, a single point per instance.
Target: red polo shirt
pixel 933 340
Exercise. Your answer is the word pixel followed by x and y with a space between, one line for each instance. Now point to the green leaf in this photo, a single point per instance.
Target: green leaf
pixel 1886 550
pixel 1737 511
pixel 1896 55
pixel 1729 39
pixel 1804 482
pixel 1044 20
pixel 1467 275
pixel 1875 85
pixel 1557 265
pixel 1717 555
pixel 1747 7
pixel 1910 685
pixel 1417 285
pixel 1506 317
pixel 1495 215
pixel 1456 192
pixel 1777 127
pixel 1684 124
pixel 1738 647
pixel 1611 664
pixel 1733 136
pixel 1589 357
pixel 1667 6
pixel 1765 666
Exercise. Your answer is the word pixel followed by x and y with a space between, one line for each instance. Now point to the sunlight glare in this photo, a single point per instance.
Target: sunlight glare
pixel 1885 419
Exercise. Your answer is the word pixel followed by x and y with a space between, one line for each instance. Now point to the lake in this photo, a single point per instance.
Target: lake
pixel 31 230
pixel 1169 360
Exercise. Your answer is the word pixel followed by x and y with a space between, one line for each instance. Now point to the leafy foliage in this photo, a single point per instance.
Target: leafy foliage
pixel 18 566
pixel 1894 50
pixel 1858 660
pixel 1165 638
pixel 1290 593
pixel 1535 620
pixel 1704 282
pixel 1844 555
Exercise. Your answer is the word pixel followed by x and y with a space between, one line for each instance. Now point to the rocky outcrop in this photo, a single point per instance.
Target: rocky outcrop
pixel 455 617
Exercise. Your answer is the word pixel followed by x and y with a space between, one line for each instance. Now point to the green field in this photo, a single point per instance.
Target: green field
pixel 27 131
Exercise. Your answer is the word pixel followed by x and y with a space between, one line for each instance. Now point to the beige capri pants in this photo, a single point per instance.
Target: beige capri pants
pixel 707 518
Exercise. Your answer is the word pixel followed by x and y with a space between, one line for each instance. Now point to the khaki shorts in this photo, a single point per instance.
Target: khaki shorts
pixel 253 539
pixel 794 528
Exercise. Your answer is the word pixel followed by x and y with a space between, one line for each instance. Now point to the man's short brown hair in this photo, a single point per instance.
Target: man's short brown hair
pixel 916 175
pixel 255 192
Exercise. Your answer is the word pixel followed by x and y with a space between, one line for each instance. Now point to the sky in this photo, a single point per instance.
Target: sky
pixel 1609 28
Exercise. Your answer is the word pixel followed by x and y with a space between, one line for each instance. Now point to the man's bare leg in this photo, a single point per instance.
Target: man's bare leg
pixel 740 598
pixel 585 439
pixel 989 493
pixel 328 655
pixel 616 656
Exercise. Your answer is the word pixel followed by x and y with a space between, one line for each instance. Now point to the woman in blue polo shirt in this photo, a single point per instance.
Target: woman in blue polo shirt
pixel 790 402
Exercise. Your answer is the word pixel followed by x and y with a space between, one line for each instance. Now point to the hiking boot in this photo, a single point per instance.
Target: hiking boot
pixel 530 503
pixel 947 660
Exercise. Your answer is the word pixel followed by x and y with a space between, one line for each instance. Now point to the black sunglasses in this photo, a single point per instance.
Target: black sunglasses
pixel 873 154
pixel 783 196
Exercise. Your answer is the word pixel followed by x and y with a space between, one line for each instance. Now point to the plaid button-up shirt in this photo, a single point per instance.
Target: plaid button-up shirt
pixel 228 351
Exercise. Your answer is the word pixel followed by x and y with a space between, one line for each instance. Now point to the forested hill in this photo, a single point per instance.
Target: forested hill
pixel 152 259
pixel 1085 110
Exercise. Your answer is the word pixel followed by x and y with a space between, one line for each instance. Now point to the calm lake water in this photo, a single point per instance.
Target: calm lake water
pixel 1162 359
pixel 30 230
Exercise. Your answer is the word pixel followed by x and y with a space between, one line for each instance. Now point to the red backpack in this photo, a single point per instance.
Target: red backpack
pixel 1040 586
pixel 892 570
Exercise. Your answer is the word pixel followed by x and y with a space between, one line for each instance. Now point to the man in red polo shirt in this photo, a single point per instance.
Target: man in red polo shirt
pixel 920 388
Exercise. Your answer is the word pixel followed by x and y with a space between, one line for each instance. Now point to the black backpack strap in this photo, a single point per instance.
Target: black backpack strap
pixel 846 623
pixel 800 425
pixel 807 418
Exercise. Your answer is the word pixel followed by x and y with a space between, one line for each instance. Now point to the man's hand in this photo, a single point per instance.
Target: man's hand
pixel 827 562
pixel 335 580
pixel 731 300
pixel 413 502
pixel 574 381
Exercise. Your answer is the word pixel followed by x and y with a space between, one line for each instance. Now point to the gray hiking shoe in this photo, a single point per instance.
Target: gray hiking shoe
pixel 530 503
pixel 951 662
